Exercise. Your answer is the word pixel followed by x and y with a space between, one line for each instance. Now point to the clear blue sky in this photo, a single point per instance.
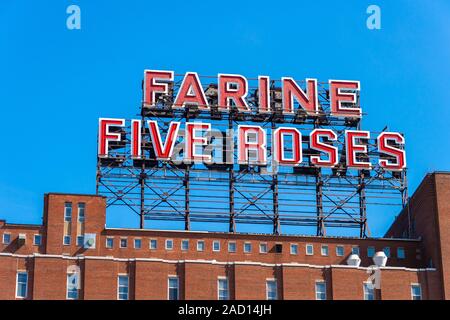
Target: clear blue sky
pixel 55 83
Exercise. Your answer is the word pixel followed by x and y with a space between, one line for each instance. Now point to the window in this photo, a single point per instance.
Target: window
pixel 137 243
pixel 222 285
pixel 247 247
pixel 416 292
pixel 80 241
pixel 37 240
pixel 72 290
pixel 355 250
pixel 263 248
pixel 387 252
pixel 271 288
pixel 81 210
pixel 216 246
pixel 173 288
pixel 370 251
pixel 66 240
pixel 6 238
pixel 321 290
pixel 309 250
pixel 185 245
pixel 401 253
pixel 368 291
pixel 123 242
pixel 200 245
pixel 324 250
pixel 231 246
pixel 122 290
pixel 294 248
pixel 339 251
pixel 22 284
pixel 109 243
pixel 153 244
pixel 68 211
pixel 169 244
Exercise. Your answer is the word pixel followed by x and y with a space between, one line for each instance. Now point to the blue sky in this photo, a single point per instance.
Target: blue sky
pixel 55 83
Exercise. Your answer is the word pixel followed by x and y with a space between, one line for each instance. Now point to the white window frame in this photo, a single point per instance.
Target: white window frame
pixel 150 244
pixel 412 291
pixel 167 241
pixel 34 239
pixel 66 218
pixel 266 246
pixel 106 242
pixel 247 243
pixel 356 250
pixel 368 291
pixel 82 242
pixel 120 243
pixel 369 248
pixel 64 240
pixel 134 243
pixel 3 238
pixel 67 288
pixel 325 289
pixel 198 245
pixel 81 205
pixel 168 286
pixel 322 247
pixel 118 285
pixel 404 253
pixel 337 251
pixel 267 288
pixel 17 284
pixel 235 247
pixel 216 242
pixel 309 245
pixel 184 241
pixel 218 288
pixel 292 245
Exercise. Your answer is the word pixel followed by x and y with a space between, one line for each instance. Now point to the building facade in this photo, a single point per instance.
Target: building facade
pixel 72 255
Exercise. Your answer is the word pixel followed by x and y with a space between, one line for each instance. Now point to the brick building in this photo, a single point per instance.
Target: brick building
pixel 40 261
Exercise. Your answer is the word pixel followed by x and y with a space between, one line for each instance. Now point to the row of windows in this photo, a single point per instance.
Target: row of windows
pixel 68 211
pixel 223 293
pixel 247 247
pixel 37 239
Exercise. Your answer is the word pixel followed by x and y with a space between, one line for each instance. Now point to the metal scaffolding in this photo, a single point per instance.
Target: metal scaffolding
pixel 231 193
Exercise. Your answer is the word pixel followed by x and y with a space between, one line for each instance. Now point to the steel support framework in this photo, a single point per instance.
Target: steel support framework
pixel 231 193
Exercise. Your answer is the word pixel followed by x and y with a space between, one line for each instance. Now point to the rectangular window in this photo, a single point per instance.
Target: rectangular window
pixel 216 246
pixel 68 211
pixel 231 246
pixel 72 290
pixel 169 244
pixel 321 290
pixel 200 245
pixel 122 287
pixel 37 240
pixel 368 291
pixel 173 288
pixel 271 289
pixel 340 251
pixel 22 284
pixel 400 253
pixel 387 252
pixel 370 251
pixel 309 250
pixel 153 244
pixel 6 238
pixel 294 248
pixel 247 247
pixel 137 243
pixel 185 245
pixel 123 242
pixel 80 241
pixel 109 243
pixel 324 250
pixel 66 240
pixel 222 285
pixel 263 248
pixel 355 250
pixel 81 211
pixel 416 292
